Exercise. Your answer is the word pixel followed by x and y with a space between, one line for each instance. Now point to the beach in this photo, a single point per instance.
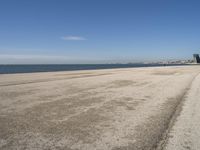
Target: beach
pixel 110 109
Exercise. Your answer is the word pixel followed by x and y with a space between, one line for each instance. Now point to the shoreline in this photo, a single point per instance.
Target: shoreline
pixel 37 68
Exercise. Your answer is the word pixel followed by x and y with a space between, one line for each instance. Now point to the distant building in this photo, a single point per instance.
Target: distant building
pixel 196 58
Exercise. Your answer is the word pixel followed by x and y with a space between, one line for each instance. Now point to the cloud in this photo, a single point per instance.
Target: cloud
pixel 73 38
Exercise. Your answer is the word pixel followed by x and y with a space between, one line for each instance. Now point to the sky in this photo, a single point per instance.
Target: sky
pixel 98 31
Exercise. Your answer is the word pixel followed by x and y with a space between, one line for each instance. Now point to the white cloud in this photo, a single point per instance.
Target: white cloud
pixel 73 38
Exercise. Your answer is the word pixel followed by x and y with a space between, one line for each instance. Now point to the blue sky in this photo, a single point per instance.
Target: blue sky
pixel 98 31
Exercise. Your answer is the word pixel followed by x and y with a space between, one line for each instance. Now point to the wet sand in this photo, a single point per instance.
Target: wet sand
pixel 115 109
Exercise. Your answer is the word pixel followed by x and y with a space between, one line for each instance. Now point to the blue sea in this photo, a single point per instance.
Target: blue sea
pixel 10 69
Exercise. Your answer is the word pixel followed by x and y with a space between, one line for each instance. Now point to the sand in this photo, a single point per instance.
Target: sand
pixel 114 109
pixel 185 133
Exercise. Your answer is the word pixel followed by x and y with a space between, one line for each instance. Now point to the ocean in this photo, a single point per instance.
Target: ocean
pixel 10 69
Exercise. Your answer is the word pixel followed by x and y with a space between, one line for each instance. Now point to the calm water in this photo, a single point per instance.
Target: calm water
pixel 8 69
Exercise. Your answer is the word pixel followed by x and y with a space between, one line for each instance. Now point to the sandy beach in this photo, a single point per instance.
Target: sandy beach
pixel 113 109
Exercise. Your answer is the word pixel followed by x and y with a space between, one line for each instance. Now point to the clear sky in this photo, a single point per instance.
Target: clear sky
pixel 98 31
